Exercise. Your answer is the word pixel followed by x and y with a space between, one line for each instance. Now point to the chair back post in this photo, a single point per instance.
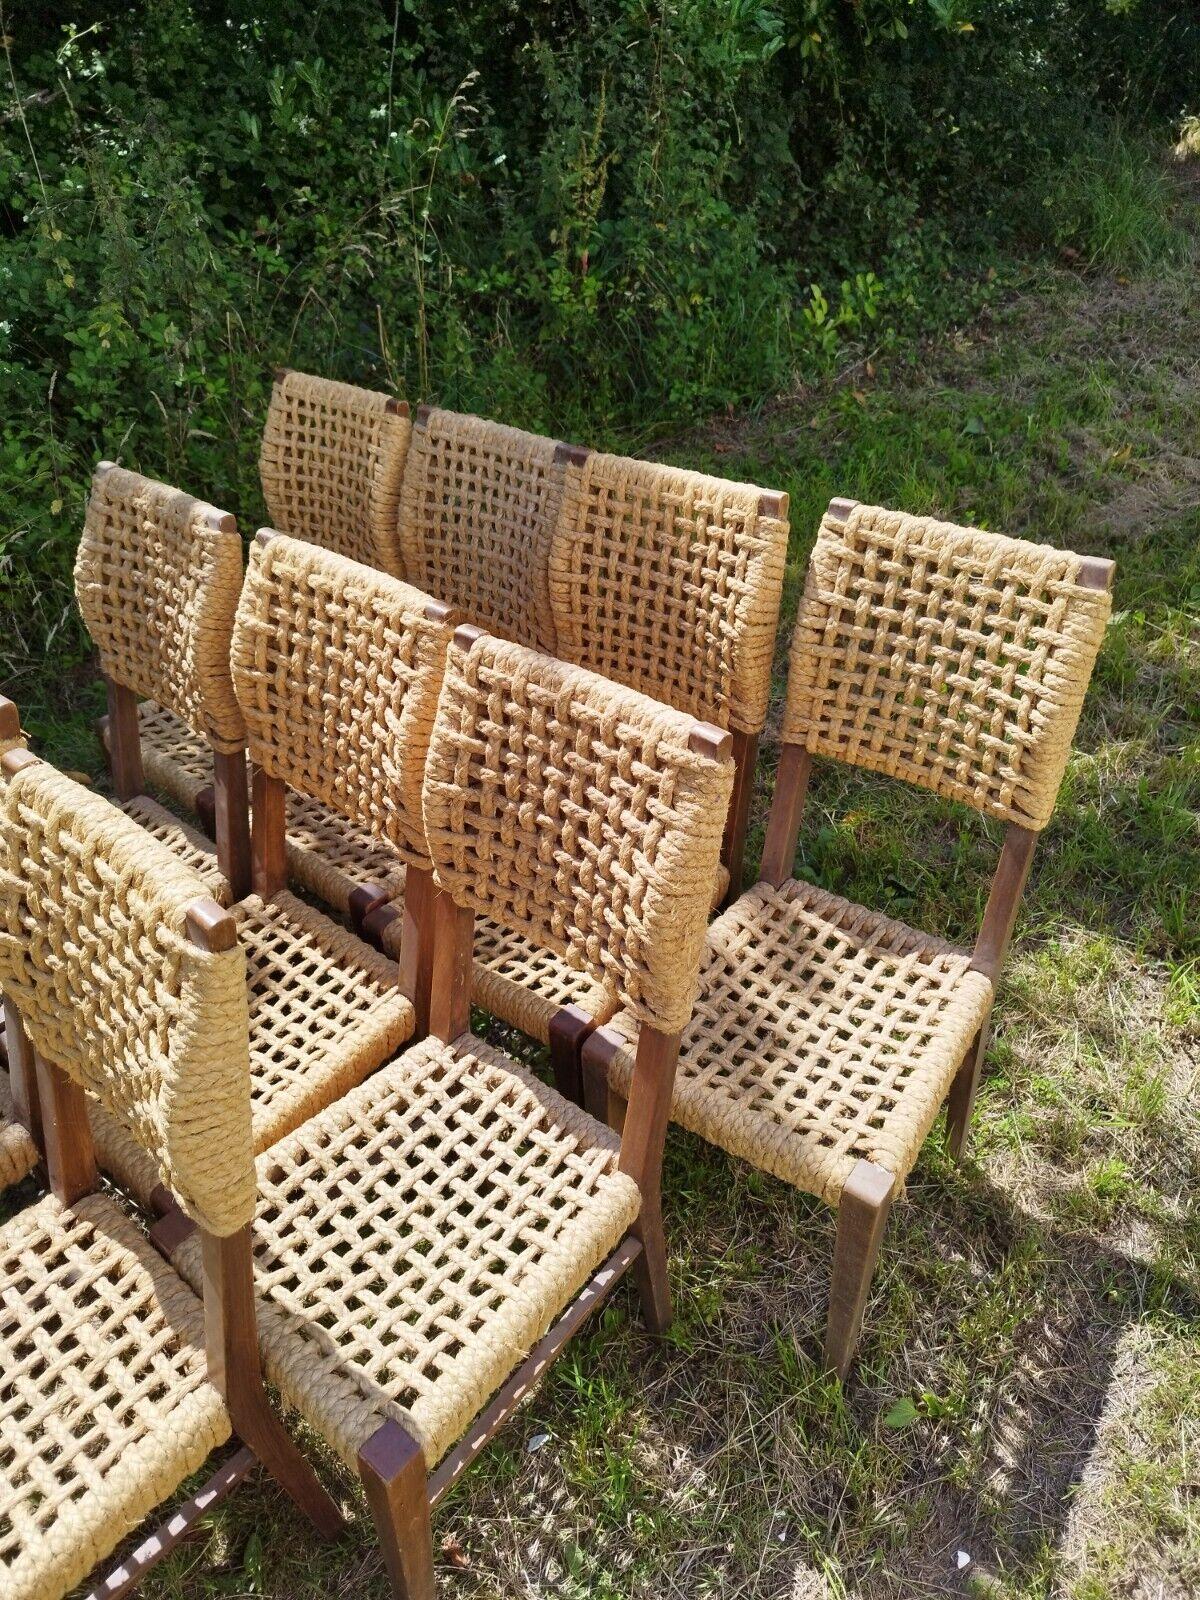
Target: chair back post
pixel 445 936
pixel 652 1089
pixel 268 830
pixel 733 844
pixel 124 740
pixel 449 1009
pixel 786 814
pixel 1004 899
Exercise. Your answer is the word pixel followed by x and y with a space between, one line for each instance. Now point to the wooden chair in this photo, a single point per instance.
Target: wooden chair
pixel 118 1382
pixel 668 582
pixel 415 1242
pixel 826 1036
pixel 157 578
pixel 334 670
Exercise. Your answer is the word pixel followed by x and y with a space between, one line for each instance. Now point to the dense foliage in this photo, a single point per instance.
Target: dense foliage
pixel 589 218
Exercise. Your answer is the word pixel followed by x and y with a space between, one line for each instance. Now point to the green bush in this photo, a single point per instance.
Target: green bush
pixel 593 220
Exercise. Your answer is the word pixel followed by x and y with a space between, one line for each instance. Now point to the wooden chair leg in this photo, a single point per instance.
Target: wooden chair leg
pixel 569 1028
pixel 615 1110
pixel 595 1090
pixel 392 1469
pixel 960 1102
pixel 650 1269
pixel 862 1215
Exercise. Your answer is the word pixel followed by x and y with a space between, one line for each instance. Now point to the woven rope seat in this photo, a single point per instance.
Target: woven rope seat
pixel 415 1239
pixel 330 856
pixel 177 761
pixel 325 1009
pixel 823 1034
pixel 18 1153
pixel 331 465
pixel 327 855
pixel 104 1404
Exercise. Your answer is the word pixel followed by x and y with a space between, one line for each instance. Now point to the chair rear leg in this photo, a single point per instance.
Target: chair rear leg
pixel 960 1102
pixel 862 1215
pixel 392 1468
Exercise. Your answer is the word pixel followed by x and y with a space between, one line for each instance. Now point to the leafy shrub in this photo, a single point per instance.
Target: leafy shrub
pixel 593 220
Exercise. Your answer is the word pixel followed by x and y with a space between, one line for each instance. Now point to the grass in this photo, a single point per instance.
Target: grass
pixel 1028 1386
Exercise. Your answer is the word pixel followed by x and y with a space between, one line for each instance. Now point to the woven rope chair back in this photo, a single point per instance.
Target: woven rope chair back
pixel 477 510
pixel 577 812
pixel 670 582
pixel 95 955
pixel 157 579
pixel 331 465
pixel 949 657
pixel 337 669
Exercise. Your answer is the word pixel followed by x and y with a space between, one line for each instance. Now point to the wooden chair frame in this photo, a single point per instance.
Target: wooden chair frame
pixel 399 1491
pixel 868 1193
pixel 231 1341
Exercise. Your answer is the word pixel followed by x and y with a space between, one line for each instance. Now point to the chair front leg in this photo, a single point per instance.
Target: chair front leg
pixel 862 1216
pixel 960 1101
pixel 392 1468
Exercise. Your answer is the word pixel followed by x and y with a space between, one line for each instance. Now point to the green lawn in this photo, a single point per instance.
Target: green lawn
pixel 1029 1385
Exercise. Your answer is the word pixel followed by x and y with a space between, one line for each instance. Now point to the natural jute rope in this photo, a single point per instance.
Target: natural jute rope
pixel 105 1407
pixel 576 812
pixel 946 656
pixel 331 465
pixel 337 670
pixel 95 956
pixel 157 584
pixel 477 508
pixel 413 1241
pixel 823 1034
pixel 669 582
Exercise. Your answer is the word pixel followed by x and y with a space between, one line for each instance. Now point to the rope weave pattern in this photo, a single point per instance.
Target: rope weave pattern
pixel 176 761
pixel 337 670
pixel 104 1406
pixel 952 658
pixel 331 465
pixel 188 845
pixel 324 1011
pixel 526 986
pixel 330 857
pixel 157 588
pixel 574 812
pixel 477 512
pixel 94 955
pixel 669 582
pixel 414 1240
pixel 823 1034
